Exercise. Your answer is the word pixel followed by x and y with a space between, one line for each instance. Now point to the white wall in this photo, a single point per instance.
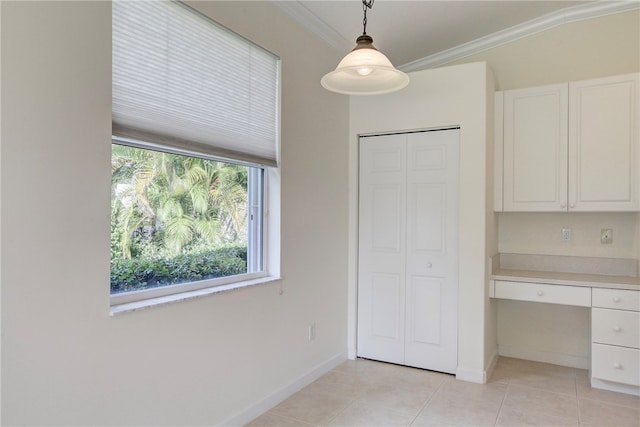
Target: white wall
pixel 581 50
pixel 65 361
pixel 439 98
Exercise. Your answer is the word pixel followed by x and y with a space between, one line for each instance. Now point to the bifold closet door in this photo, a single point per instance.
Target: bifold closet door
pixel 408 254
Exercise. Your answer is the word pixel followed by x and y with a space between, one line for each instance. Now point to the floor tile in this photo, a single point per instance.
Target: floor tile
pixel 520 393
pixel 312 407
pixel 455 413
pixel 501 374
pixel 459 403
pixel 518 366
pixel 412 379
pixel 545 381
pixel 272 420
pixel 595 413
pixel 586 392
pixel 362 414
pixel 532 401
pixel 337 383
pixel 406 401
pixel 510 417
pixel 490 394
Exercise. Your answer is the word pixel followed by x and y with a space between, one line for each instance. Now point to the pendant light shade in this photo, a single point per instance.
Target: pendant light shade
pixel 365 71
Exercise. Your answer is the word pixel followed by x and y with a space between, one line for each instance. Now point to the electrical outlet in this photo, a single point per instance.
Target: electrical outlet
pixel 566 234
pixel 606 236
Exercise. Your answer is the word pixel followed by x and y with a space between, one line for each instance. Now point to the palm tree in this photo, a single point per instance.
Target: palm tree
pixel 186 200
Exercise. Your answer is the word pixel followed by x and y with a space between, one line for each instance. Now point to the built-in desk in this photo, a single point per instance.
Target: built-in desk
pixel 613 295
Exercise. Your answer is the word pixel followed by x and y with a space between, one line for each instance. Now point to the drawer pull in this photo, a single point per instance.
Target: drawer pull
pixel 429 265
pixel 540 293
pixel 617 365
pixel 617 329
pixel 615 299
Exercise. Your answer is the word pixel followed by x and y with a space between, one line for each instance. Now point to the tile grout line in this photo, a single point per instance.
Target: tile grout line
pixel 428 400
pixel 495 423
pixel 575 384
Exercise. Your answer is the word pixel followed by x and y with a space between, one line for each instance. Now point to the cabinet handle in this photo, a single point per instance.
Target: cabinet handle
pixel 572 206
pixel 617 329
pixel 617 365
pixel 563 205
pixel 540 293
pixel 615 299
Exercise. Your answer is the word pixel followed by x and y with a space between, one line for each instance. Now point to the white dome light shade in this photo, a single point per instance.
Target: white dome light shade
pixel 365 71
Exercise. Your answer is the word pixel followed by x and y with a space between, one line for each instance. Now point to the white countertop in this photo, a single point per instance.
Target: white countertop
pixel 592 272
pixel 568 279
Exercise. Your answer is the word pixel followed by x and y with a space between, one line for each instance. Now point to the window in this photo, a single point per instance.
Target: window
pixel 195 112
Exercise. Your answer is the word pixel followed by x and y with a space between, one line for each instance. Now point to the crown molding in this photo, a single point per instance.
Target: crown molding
pixel 299 13
pixel 546 22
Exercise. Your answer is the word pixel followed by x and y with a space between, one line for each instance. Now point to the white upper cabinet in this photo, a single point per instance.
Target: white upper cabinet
pixel 603 144
pixel 569 147
pixel 535 149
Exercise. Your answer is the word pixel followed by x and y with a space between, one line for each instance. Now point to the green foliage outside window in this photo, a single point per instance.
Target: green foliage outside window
pixel 175 219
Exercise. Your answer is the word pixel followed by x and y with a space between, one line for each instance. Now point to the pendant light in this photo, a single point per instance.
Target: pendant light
pixel 365 70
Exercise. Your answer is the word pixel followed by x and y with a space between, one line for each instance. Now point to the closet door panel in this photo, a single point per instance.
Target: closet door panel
pixel 432 250
pixel 382 241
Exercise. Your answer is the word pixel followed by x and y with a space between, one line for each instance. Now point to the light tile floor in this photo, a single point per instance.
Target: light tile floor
pixel 520 393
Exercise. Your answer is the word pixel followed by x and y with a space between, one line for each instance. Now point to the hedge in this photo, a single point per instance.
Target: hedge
pixel 140 273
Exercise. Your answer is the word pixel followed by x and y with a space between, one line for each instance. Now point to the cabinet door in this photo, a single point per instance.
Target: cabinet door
pixel 603 144
pixel 535 149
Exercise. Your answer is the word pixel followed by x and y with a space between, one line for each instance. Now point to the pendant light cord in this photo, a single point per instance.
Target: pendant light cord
pixel 366 4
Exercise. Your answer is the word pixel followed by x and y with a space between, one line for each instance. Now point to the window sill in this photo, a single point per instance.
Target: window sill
pixel 168 299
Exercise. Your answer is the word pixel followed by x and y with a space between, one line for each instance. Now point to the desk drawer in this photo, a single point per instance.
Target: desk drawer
pixel 615 327
pixel 541 292
pixel 619 364
pixel 616 298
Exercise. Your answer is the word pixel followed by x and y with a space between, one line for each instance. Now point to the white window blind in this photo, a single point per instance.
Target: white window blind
pixel 182 81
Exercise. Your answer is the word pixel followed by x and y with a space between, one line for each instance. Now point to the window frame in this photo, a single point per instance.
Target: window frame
pixel 263 254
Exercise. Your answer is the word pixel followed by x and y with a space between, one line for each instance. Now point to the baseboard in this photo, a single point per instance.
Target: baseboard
pixel 611 386
pixel 545 357
pixel 491 365
pixel 262 406
pixel 471 375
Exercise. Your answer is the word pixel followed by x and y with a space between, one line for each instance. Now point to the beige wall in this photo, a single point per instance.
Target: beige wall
pixel 65 361
pixel 439 98
pixel 581 50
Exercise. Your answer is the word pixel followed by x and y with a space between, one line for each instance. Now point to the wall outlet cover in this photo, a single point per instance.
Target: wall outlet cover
pixel 606 235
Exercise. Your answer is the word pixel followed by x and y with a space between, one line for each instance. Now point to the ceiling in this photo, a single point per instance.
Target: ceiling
pixel 414 31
